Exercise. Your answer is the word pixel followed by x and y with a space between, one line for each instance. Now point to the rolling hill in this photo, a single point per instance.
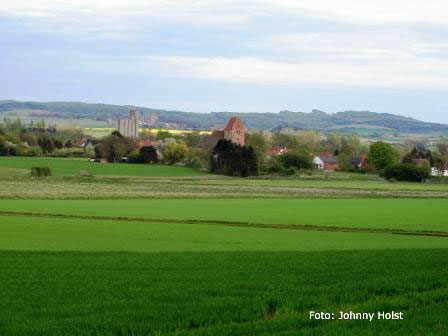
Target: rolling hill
pixel 348 121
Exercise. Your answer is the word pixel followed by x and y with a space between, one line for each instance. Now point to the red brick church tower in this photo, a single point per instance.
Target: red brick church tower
pixel 234 131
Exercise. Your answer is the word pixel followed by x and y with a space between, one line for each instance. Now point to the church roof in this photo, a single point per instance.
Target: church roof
pixel 233 121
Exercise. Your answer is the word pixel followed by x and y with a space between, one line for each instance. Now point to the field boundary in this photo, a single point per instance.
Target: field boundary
pixel 232 223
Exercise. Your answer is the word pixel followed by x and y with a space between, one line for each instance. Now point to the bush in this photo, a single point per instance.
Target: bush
pixel 134 157
pixel 300 160
pixel 34 151
pixel 197 158
pixel 40 171
pixel 407 172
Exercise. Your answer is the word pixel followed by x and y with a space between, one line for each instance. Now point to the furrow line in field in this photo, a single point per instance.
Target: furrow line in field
pixel 232 223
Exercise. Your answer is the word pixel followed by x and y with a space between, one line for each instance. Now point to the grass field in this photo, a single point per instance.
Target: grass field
pixel 63 166
pixel 403 214
pixel 160 250
pixel 78 234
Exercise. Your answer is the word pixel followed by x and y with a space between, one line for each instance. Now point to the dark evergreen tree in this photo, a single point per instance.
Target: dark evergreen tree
pixel 234 160
pixel 419 153
pixel 148 154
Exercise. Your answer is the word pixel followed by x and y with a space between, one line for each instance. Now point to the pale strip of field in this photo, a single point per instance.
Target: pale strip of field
pixel 149 130
pixel 18 184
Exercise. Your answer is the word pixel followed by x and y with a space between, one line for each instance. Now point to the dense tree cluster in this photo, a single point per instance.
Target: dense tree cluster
pixel 418 154
pixel 114 147
pixel 36 139
pixel 234 160
pixel 408 172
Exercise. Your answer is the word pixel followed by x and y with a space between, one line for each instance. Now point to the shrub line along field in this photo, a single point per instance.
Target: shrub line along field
pixel 169 250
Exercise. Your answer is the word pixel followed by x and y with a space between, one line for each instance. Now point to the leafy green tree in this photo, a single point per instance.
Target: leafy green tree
pixel 309 140
pixel 332 143
pixel 197 158
pixel 442 154
pixel 193 139
pixel 259 144
pixel 285 140
pixel 174 152
pixel 382 154
pixel 300 159
pixel 344 162
pixel 162 135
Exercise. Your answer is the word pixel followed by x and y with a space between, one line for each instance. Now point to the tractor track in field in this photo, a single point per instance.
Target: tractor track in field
pixel 231 223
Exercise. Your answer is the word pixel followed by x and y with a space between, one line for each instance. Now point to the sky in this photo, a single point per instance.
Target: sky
pixel 240 56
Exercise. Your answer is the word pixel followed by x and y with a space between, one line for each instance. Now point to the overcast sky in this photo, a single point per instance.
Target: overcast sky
pixel 215 55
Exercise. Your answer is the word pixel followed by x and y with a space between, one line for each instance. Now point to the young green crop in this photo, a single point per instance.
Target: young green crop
pixel 403 214
pixel 221 293
pixel 62 234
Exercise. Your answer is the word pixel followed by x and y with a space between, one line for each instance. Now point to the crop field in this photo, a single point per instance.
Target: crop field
pixel 221 293
pixel 168 250
pixel 396 214
pixel 63 166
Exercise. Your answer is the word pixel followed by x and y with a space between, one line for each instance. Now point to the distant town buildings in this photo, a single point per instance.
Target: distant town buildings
pixel 152 119
pixel 129 127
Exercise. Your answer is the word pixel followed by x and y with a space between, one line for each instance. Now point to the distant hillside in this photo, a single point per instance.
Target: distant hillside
pixel 342 121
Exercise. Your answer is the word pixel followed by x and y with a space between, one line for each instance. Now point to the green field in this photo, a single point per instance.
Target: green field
pixel 221 293
pixel 403 214
pixel 167 250
pixel 63 166
pixel 65 234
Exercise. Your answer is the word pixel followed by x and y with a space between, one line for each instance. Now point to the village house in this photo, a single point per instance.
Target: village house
pixel 330 162
pixel 276 151
pixel 325 162
pixel 359 162
pixel 438 172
